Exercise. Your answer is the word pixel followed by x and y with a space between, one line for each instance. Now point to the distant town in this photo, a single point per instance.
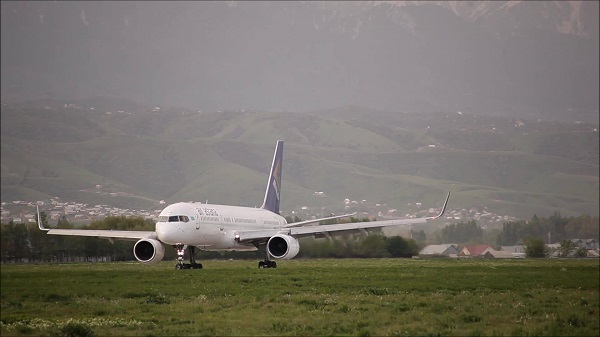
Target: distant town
pixel 81 213
pixel 24 211
pixel 19 211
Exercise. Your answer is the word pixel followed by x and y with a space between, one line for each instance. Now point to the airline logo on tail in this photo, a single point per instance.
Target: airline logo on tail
pixel 277 179
pixel 272 195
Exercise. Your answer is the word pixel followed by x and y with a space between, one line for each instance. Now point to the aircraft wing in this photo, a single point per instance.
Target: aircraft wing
pixel 98 233
pixel 308 222
pixel 101 233
pixel 327 230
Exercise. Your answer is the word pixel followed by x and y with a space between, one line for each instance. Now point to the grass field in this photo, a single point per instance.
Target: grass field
pixel 370 297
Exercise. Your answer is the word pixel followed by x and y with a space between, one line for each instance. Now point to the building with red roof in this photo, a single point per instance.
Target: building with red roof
pixel 473 250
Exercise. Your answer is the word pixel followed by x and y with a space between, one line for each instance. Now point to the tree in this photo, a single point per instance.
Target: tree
pixel 397 246
pixel 510 233
pixel 315 248
pixel 583 226
pixel 560 228
pixel 461 232
pixel 419 236
pixel 15 245
pixel 372 246
pixel 581 252
pixel 39 242
pixel 63 244
pixel 556 226
pixel 535 248
pixel 566 247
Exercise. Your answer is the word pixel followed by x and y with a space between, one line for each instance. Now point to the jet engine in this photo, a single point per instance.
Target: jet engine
pixel 282 246
pixel 148 251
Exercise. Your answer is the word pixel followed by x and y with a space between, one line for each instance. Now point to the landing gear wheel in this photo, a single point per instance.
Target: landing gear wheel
pixel 267 264
pixel 188 266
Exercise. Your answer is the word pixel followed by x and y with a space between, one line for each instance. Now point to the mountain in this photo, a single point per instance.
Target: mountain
pixel 534 59
pixel 122 153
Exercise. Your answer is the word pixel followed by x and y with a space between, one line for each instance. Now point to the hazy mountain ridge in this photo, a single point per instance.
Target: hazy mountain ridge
pixel 565 17
pixel 499 57
pixel 510 165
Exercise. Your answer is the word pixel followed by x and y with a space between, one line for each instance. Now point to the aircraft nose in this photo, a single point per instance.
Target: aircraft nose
pixel 167 233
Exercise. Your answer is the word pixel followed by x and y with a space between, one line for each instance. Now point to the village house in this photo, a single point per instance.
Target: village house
pixel 516 251
pixel 586 243
pixel 496 254
pixel 473 250
pixel 444 250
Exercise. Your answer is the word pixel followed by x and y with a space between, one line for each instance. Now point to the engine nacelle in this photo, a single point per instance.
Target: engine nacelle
pixel 283 246
pixel 149 251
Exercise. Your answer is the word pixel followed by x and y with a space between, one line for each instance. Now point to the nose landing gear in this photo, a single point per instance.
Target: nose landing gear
pixel 192 252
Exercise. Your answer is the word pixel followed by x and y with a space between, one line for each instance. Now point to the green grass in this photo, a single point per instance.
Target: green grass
pixel 376 297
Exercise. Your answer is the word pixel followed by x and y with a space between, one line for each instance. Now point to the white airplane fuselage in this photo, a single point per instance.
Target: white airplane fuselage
pixel 212 227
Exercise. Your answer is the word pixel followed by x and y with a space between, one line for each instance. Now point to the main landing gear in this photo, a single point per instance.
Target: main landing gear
pixel 267 263
pixel 192 251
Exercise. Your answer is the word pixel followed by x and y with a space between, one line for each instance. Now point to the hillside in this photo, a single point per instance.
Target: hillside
pixel 144 154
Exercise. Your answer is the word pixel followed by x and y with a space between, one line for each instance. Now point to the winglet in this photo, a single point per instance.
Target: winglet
pixel 39 219
pixel 443 209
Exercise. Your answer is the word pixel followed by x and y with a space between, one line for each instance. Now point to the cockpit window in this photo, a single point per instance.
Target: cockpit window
pixel 174 218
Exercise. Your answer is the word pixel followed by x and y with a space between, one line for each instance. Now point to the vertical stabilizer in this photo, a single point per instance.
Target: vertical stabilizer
pixel 272 194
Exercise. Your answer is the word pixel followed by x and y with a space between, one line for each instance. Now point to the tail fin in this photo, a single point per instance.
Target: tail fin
pixel 272 194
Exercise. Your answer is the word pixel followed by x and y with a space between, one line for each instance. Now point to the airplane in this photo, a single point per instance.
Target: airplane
pixel 210 227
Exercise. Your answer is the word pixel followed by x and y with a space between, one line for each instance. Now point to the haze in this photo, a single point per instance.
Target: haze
pixel 534 58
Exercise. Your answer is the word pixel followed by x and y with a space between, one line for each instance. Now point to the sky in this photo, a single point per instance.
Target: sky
pixel 499 57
